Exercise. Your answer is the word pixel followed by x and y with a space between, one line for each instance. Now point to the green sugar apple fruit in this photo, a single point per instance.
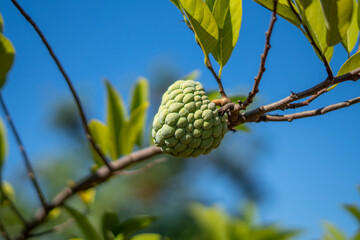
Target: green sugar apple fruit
pixel 187 123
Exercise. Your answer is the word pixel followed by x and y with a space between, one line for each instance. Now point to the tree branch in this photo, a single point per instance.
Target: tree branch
pixel 311 113
pixel 263 57
pixel 25 156
pixel 92 180
pixel 312 41
pixel 253 115
pixel 69 82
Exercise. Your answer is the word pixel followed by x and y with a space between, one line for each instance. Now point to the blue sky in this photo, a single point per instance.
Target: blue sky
pixel 310 166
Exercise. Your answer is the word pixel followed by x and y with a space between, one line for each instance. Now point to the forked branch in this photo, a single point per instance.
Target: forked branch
pixel 311 113
pixel 263 57
pixel 254 115
pixel 94 179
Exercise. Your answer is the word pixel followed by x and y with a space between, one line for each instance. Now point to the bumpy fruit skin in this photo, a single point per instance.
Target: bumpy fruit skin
pixel 187 123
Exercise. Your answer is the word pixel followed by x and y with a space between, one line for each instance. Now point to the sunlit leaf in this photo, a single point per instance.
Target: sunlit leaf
pixel 116 116
pixel 210 4
pixel 3 143
pixel 338 15
pixel 202 22
pixel 212 95
pixel 140 95
pixel 334 232
pixel 283 10
pixel 354 210
pixel 194 75
pixel 358 15
pixel 87 196
pixel 8 191
pixel 83 223
pixel 1 23
pixel 273 232
pixel 212 220
pixel 148 236
pixel 133 126
pixel 7 54
pixel 313 17
pixel 100 134
pixel 219 11
pixel 351 64
pixel 242 127
pixel 235 99
pixel 109 223
pixel 229 28
pixel 350 38
pixel 132 225
pixel 54 213
pixel 176 3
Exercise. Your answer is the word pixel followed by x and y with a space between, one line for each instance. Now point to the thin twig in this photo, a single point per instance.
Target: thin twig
pixel 306 102
pixel 263 57
pixel 311 113
pixel 69 82
pixel 4 232
pixel 25 156
pixel 217 78
pixel 94 179
pixel 312 41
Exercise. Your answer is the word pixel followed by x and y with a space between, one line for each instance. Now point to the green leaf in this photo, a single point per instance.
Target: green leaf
pixel 100 134
pixel 235 99
pixel 354 210
pixel 283 10
pixel 216 95
pixel 85 226
pixel 358 15
pixel 313 17
pixel 132 225
pixel 203 23
pixel 351 64
pixel 212 95
pixel 3 143
pixel 210 4
pixel 212 220
pixel 338 15
pixel 140 95
pixel 243 128
pixel 194 75
pixel 176 3
pixel 350 38
pixel 133 126
pixel 109 222
pixel 219 11
pixel 116 117
pixel 229 27
pixel 148 236
pixel 1 23
pixel 7 54
pixel 334 232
